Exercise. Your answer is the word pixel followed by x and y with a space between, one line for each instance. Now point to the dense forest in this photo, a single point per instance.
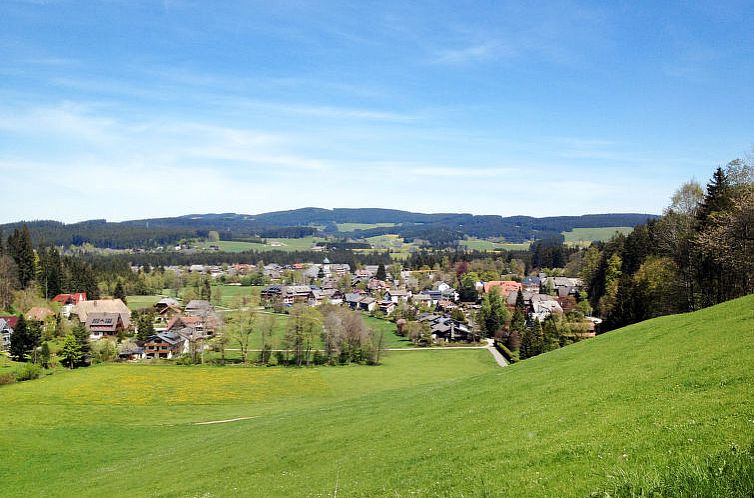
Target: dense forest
pixel 438 230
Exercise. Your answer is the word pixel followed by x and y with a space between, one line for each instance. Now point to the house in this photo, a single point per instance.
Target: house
pixel 83 308
pixel 39 314
pixel 531 283
pixel 198 307
pixel 287 295
pixel 564 286
pixel 445 328
pixel 207 324
pixel 6 330
pixel 543 306
pixel 65 299
pixel 100 325
pixel 128 351
pixel 442 287
pixel 387 307
pixel 352 299
pixel 165 302
pixel 421 299
pixel 435 296
pixel 168 313
pixel 367 303
pixel 335 296
pixel 161 345
pixel 504 286
pixel 397 295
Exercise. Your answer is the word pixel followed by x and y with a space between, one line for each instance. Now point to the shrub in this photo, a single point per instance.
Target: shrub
pixel 29 371
pixel 7 378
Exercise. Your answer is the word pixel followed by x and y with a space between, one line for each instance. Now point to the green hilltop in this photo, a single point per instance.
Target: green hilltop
pixel 633 407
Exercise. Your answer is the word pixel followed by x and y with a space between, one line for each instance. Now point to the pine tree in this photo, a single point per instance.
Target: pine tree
pixel 44 355
pixel 20 340
pixel 22 252
pixel 551 337
pixel 381 273
pixel 718 197
pixel 70 353
pixel 82 339
pixel 119 292
pixel 50 271
pixel 206 292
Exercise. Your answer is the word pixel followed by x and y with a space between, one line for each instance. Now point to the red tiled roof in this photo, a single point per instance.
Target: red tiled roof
pixel 12 320
pixel 505 286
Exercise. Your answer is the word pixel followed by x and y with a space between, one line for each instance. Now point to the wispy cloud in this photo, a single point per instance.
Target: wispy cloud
pixel 478 52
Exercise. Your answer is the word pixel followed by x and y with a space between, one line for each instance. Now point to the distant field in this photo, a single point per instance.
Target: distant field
pixel 627 408
pixel 585 236
pixel 350 227
pixel 303 244
pixel 138 302
pixel 488 245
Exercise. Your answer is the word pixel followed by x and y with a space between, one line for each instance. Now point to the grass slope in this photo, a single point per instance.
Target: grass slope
pixel 634 402
pixel 585 236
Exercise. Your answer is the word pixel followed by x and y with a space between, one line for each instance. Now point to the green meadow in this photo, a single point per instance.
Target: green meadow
pixel 585 236
pixel 273 244
pixel 351 227
pixel 489 245
pixel 623 414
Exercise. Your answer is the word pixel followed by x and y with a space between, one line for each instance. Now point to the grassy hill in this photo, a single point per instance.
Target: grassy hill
pixel 638 406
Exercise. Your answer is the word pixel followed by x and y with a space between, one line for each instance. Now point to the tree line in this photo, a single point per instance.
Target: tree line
pixel 699 253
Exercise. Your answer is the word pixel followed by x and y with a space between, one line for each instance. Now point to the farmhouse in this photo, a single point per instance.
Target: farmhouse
pixel 84 308
pixel 100 325
pixel 6 330
pixel 74 298
pixel 161 345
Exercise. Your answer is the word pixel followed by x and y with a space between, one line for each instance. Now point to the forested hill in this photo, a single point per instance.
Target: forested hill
pixel 439 228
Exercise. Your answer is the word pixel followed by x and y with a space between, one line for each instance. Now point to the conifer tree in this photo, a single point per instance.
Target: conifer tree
pixel 82 339
pixel 70 353
pixel 381 273
pixel 22 252
pixel 119 292
pixel 23 340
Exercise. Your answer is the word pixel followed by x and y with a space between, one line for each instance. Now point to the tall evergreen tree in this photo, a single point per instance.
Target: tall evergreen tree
pixel 718 196
pixel 23 340
pixel 70 353
pixel 82 339
pixel 22 252
pixel 50 274
pixel 119 292
pixel 381 273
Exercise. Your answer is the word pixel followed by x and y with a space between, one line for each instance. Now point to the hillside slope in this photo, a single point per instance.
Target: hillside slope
pixel 631 402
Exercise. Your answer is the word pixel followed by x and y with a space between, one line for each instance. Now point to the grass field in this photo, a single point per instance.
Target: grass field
pixel 274 244
pixel 641 401
pixel 350 227
pixel 488 245
pixel 585 236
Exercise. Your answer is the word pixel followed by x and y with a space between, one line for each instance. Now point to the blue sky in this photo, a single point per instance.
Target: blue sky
pixel 125 109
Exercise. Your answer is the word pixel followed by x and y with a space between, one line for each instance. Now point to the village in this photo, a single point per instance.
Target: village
pixel 420 304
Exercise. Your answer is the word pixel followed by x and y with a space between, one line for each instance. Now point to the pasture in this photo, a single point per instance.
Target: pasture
pixel 629 409
pixel 585 236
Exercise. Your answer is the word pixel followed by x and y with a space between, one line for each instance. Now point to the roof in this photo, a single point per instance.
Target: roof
pixel 38 314
pixel 11 320
pixel 103 322
pixel 166 301
pixel 73 298
pixel 505 286
pixel 83 309
pixel 198 305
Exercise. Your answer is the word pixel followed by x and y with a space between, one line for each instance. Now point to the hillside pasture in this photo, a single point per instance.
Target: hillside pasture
pixel 659 395
pixel 351 227
pixel 585 236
